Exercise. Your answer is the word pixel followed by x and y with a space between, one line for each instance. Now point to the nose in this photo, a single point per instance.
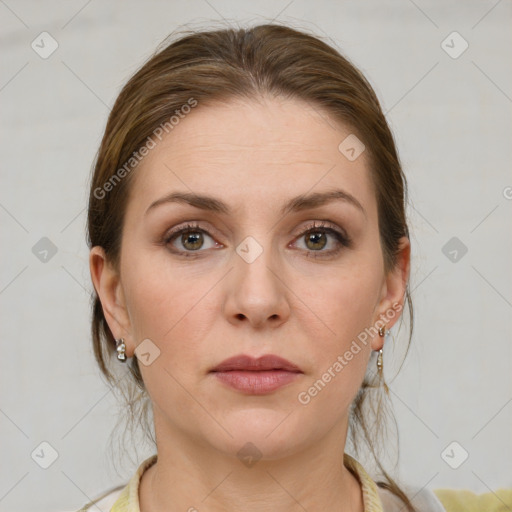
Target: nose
pixel 256 291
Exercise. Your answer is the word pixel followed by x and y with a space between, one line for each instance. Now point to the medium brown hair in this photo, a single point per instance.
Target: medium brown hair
pixel 217 65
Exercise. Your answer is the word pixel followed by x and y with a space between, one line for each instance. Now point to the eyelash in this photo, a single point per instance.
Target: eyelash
pixel 323 227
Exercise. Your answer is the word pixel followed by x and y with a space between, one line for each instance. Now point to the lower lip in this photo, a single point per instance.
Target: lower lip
pixel 257 382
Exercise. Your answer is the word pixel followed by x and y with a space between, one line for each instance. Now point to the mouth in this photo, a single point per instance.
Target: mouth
pixel 269 362
pixel 256 376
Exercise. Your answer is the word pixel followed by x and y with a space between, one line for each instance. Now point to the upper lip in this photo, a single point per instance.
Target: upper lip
pixel 266 362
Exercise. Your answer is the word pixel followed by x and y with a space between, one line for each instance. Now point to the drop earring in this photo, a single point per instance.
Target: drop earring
pixel 380 361
pixel 380 358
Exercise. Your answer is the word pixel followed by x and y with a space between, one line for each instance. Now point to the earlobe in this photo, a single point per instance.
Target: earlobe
pixel 106 281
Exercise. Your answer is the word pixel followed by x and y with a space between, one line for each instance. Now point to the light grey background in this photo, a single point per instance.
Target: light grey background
pixel 452 121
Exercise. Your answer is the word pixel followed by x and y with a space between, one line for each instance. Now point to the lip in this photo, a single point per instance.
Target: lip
pixel 249 363
pixel 256 376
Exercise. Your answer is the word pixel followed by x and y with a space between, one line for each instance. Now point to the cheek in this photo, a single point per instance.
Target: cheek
pixel 339 327
pixel 170 307
pixel 170 311
pixel 343 301
pixel 154 292
pixel 341 349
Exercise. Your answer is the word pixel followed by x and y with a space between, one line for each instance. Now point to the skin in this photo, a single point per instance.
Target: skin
pixel 198 311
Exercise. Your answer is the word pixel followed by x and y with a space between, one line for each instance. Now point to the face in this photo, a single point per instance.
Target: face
pixel 250 277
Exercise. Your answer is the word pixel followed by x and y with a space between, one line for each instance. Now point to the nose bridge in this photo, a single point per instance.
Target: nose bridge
pixel 256 289
pixel 256 261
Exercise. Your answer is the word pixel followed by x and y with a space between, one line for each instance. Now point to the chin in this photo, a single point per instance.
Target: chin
pixel 261 434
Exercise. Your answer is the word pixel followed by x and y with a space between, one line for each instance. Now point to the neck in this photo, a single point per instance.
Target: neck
pixel 191 477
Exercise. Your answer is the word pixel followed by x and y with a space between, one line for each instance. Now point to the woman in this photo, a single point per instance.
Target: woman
pixel 250 253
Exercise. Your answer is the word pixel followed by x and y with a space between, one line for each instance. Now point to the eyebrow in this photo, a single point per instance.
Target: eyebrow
pixel 296 204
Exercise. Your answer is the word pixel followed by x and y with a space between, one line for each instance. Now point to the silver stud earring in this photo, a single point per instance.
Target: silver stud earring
pixel 121 350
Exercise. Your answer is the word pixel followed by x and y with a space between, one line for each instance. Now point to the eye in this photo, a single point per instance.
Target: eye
pixel 191 239
pixel 317 237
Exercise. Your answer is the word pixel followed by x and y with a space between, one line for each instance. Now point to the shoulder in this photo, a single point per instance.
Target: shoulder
pixel 124 497
pixel 447 500
pixel 424 500
pixel 462 500
pixel 104 501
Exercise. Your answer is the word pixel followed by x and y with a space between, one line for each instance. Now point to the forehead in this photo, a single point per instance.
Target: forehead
pixel 251 152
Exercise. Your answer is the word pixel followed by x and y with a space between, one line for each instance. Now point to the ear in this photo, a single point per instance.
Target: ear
pixel 394 287
pixel 107 284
